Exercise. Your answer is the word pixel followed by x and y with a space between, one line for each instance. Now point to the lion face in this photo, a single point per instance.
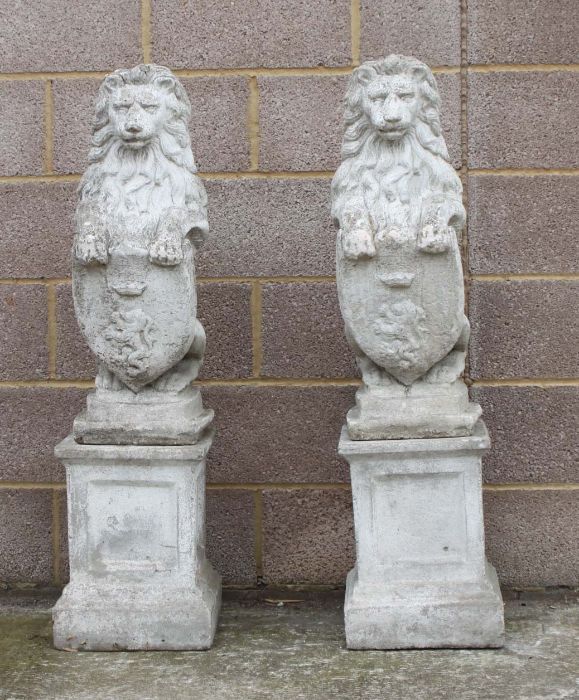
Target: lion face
pixel 392 103
pixel 138 114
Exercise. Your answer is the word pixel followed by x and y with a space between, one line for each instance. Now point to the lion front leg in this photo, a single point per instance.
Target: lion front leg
pixel 356 237
pixel 91 243
pixel 167 248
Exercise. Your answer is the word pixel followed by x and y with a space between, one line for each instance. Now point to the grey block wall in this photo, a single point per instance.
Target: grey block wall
pixel 266 79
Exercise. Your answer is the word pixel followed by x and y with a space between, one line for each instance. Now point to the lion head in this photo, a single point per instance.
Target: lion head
pixel 141 150
pixel 392 124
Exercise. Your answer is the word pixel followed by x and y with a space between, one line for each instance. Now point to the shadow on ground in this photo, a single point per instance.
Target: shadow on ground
pixel 295 651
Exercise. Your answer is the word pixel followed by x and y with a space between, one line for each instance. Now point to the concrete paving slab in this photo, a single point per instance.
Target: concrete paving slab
pixel 296 651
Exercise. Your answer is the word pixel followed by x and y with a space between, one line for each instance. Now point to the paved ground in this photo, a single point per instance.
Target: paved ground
pixel 295 651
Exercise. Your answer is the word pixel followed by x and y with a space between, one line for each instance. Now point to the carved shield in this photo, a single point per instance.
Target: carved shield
pixel 138 318
pixel 404 307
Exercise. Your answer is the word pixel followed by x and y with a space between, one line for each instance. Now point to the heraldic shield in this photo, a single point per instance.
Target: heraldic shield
pixel 404 307
pixel 137 317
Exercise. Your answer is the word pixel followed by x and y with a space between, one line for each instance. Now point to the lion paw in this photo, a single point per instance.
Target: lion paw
pixel 434 240
pixel 358 244
pixel 91 249
pixel 166 251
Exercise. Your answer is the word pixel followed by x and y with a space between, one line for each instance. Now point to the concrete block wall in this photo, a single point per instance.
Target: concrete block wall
pixel 266 79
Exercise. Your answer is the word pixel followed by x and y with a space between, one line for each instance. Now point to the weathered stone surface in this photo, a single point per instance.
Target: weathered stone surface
pixel 21 126
pixel 522 32
pixel 428 30
pixel 74 360
pixel 302 332
pixel 231 535
pixel 396 202
pixel 286 220
pixel 141 215
pixel 524 329
pixel 532 537
pixel 308 536
pixel 512 122
pixel 48 36
pixel 534 433
pixel 25 539
pixel 32 420
pixel 523 224
pixel 23 332
pixel 36 216
pixel 421 579
pixel 218 132
pixel 224 311
pixel 139 578
pixel 252 33
pixel 277 434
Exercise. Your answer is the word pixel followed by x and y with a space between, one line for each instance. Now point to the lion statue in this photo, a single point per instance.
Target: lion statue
pixel 395 177
pixel 141 186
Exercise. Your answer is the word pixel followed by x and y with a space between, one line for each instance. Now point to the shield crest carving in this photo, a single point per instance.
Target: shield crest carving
pixel 137 317
pixel 404 306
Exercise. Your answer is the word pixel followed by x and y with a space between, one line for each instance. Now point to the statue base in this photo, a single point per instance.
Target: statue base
pixel 394 411
pixel 421 578
pixel 146 418
pixel 139 577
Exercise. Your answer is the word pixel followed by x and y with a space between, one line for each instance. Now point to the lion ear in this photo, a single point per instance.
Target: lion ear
pixel 112 82
pixel 165 82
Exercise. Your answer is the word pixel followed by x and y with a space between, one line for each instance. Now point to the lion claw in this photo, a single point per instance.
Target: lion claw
pixel 358 244
pixel 166 252
pixel 91 249
pixel 434 240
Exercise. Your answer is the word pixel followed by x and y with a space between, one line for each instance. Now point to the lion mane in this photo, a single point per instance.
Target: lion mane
pixel 366 157
pixel 109 181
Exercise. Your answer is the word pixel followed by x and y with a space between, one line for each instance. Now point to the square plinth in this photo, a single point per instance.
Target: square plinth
pixel 139 578
pixel 421 578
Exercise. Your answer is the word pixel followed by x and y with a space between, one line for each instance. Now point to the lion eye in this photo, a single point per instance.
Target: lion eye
pixel 406 96
pixel 121 108
pixel 150 108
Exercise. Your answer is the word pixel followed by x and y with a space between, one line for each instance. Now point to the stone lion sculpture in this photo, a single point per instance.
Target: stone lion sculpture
pixel 141 215
pixel 141 181
pixel 396 202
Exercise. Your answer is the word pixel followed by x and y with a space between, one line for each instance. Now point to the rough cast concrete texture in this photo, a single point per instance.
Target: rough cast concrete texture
pixel 285 220
pixel 25 526
pixel 532 536
pixel 524 329
pixel 33 419
pixel 296 652
pixel 38 217
pixel 302 332
pixel 21 125
pixel 523 224
pixel 224 311
pixel 230 535
pixel 139 577
pixel 23 331
pixel 308 536
pixel 421 579
pixel 47 36
pixel 293 136
pixel 251 33
pixel 522 120
pixel 519 31
pixel 430 31
pixel 277 434
pixel 218 125
pixel 534 433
